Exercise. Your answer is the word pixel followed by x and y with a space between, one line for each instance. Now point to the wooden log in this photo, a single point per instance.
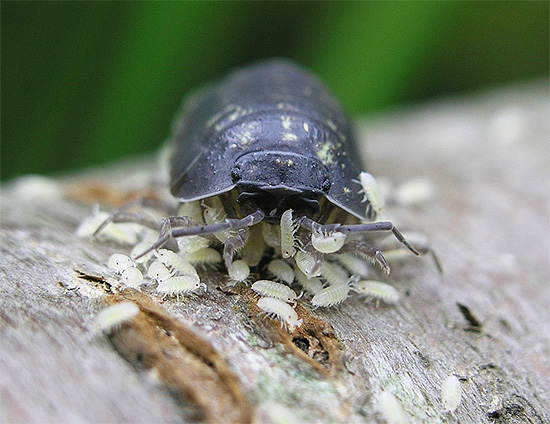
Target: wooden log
pixel 213 358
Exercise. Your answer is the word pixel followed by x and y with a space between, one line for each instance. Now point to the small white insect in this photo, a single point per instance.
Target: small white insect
pixel 288 230
pixel 204 256
pixel 414 192
pixel 112 317
pixel 254 249
pixel 215 214
pixel 372 195
pixel 117 233
pixel 33 188
pixel 307 263
pixel 192 210
pixel 239 271
pixel 451 393
pixel 139 248
pixel 281 270
pixel 157 271
pixel 131 277
pixel 119 262
pixel 353 264
pixel 271 234
pixel 331 296
pixel 176 286
pixel 397 255
pixel 327 242
pixel 391 409
pixel 334 274
pixel 178 263
pixel 378 290
pixel 310 285
pixel 191 244
pixel 272 289
pixel 280 309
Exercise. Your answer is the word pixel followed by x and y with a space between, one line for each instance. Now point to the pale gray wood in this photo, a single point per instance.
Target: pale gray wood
pixel 488 159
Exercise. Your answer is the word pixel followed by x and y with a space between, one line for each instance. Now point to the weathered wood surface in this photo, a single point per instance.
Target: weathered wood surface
pixel 488 159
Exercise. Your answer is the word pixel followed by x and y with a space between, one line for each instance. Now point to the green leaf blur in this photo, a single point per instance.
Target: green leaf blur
pixel 85 83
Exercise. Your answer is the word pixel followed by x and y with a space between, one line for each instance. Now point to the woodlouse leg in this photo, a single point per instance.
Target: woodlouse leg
pixel 129 217
pixel 358 228
pixel 366 250
pixel 421 246
pixel 229 224
pixel 232 245
pixel 174 222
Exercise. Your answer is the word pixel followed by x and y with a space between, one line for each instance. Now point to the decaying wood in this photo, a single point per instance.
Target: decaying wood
pixel 212 357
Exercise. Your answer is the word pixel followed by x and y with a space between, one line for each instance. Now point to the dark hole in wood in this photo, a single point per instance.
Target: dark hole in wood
pixel 302 343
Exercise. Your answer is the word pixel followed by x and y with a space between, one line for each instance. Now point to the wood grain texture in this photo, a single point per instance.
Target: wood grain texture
pixel 487 157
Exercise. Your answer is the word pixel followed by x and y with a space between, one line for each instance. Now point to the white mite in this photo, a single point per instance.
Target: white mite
pixel 311 285
pixel 176 286
pixel 327 242
pixel 451 393
pixel 288 230
pixel 272 289
pixel 306 262
pixel 281 270
pixel 280 309
pixel 192 210
pixel 397 255
pixel 254 249
pixel 271 234
pixel 353 264
pixel 131 277
pixel 415 192
pixel 117 233
pixel 141 247
pixel 331 296
pixel 334 274
pixel 215 214
pixel 157 271
pixel 114 316
pixel 119 262
pixel 372 194
pixel 179 264
pixel 204 256
pixel 391 409
pixel 191 244
pixel 378 290
pixel 239 271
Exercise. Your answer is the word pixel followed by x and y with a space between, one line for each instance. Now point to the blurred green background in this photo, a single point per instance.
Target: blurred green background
pixel 84 83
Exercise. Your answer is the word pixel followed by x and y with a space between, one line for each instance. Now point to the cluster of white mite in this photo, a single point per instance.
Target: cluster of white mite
pixel 323 276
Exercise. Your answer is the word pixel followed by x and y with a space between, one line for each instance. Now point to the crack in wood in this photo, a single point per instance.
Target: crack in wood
pixel 314 341
pixel 182 359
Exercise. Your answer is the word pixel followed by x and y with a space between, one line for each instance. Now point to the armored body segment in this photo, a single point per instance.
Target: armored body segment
pixel 278 118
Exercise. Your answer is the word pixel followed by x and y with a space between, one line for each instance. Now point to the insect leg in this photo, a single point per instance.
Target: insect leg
pixel 424 249
pixel 228 224
pixel 232 245
pixel 129 217
pixel 174 222
pixel 359 228
pixel 366 250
